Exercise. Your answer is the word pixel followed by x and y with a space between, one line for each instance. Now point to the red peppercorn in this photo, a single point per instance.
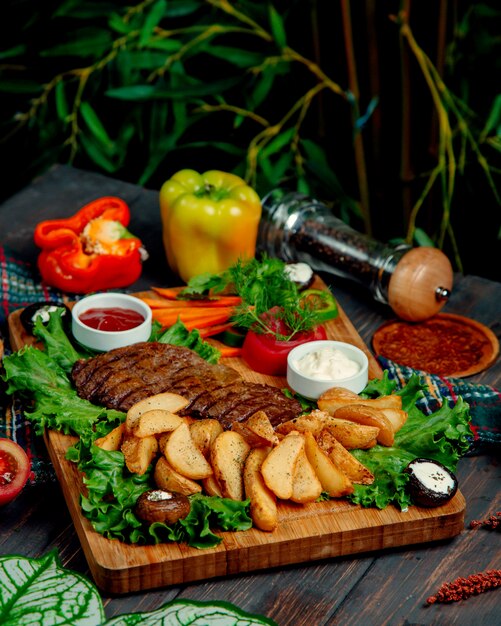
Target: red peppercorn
pixel 463 588
pixel 493 522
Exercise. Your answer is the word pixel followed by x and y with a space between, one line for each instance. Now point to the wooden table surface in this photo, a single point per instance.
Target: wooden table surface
pixel 387 587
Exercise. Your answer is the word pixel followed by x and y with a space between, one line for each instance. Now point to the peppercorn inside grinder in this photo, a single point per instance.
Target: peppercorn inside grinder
pixel 414 282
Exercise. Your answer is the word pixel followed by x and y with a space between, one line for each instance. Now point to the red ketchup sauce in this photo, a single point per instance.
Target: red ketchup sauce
pixel 111 319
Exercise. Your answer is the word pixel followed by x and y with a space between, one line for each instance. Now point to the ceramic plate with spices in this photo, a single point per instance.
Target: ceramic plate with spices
pixel 446 345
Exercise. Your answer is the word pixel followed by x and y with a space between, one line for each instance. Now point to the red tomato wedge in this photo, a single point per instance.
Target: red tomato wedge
pixel 15 468
pixel 267 355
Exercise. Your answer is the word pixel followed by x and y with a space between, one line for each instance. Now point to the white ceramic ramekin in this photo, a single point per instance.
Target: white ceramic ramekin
pixel 313 388
pixel 103 340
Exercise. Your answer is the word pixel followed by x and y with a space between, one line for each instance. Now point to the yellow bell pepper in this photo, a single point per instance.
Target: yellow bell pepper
pixel 209 221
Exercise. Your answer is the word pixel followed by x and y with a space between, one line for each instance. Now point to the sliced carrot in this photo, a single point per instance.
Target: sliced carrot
pixel 154 303
pixel 230 351
pixel 191 314
pixel 215 330
pixel 172 293
pixel 195 321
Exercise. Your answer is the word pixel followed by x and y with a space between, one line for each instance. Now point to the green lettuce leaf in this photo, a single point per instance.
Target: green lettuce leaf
pixel 41 591
pixel 443 436
pixel 112 492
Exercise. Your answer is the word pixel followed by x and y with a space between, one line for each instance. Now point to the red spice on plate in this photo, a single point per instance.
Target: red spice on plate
pixel 446 344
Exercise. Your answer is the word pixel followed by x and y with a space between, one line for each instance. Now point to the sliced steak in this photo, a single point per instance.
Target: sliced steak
pixel 119 378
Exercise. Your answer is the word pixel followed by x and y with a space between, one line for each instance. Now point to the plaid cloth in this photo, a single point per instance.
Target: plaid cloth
pixel 20 286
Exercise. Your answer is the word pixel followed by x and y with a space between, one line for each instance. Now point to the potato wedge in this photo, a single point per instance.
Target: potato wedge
pixel 312 422
pixel 350 434
pixel 257 430
pixel 333 480
pixel 278 467
pixel 204 432
pixel 184 456
pixel 138 452
pixel 227 455
pixel 263 502
pixel 155 422
pixel 211 486
pixel 397 417
pixel 167 478
pixel 113 440
pixel 342 458
pixel 369 417
pixel 337 397
pixel 306 487
pixel 167 401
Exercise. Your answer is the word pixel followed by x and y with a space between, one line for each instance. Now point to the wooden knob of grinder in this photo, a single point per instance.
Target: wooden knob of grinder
pixel 420 284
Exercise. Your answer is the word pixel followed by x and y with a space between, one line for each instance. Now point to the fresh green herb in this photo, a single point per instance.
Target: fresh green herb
pixel 444 436
pixel 264 286
pixel 43 592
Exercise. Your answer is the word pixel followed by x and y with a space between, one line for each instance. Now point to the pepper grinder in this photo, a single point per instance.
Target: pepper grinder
pixel 414 282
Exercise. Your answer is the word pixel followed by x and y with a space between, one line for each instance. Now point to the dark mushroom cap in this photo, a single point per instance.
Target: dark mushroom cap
pixel 430 484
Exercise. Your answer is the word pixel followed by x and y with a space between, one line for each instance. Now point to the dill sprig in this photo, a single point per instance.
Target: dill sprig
pixel 264 286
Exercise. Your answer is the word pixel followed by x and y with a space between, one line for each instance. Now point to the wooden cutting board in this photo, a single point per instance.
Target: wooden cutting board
pixel 305 532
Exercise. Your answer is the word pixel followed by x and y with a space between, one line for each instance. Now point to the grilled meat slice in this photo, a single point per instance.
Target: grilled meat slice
pixel 119 378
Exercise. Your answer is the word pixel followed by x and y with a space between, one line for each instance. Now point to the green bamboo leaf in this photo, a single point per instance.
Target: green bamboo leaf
pixel 20 86
pixel 494 120
pixel 85 42
pixel 62 108
pixel 143 93
pixel 182 8
pixel 96 127
pixel 279 142
pixel 167 45
pixel 277 27
pixel 142 60
pixel 96 154
pixel 152 20
pixel 263 88
pixel 13 52
pixel 236 56
pixel 422 239
pixel 77 9
pixel 117 24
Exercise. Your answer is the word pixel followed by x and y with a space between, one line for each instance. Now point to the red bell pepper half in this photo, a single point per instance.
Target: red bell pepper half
pixel 90 251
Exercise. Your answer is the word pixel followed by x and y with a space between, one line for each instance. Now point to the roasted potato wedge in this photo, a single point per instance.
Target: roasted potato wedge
pixel 155 422
pixel 167 478
pixel 333 480
pixel 306 487
pixel 368 416
pixel 336 397
pixel 278 467
pixel 167 401
pixel 350 434
pixel 138 452
pixel 257 430
pixel 346 462
pixel 211 486
pixel 263 502
pixel 397 417
pixel 312 422
pixel 113 440
pixel 204 432
pixel 184 456
pixel 227 455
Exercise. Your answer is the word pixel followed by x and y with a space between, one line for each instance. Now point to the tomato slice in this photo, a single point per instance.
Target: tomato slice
pixel 267 355
pixel 15 468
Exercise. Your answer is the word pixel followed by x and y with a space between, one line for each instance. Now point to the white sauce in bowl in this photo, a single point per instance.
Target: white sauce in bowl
pixel 327 364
